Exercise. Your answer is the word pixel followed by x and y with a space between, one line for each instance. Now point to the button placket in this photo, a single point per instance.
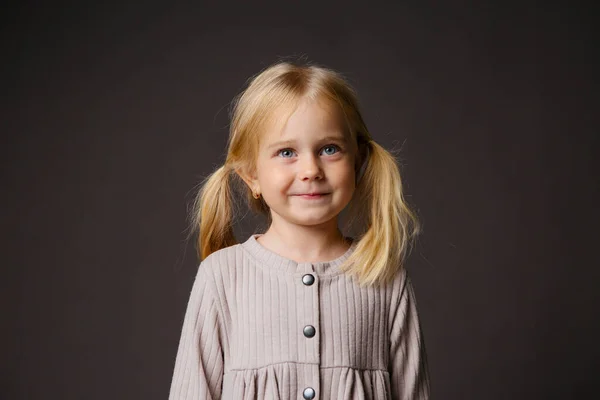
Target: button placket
pixel 309 328
pixel 308 290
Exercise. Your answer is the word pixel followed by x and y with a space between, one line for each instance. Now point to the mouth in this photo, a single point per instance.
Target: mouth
pixel 312 195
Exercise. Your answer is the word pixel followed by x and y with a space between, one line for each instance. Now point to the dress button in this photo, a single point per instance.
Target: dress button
pixel 309 393
pixel 309 331
pixel 308 279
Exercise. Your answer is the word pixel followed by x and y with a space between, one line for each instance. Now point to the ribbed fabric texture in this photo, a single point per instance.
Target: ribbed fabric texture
pixel 243 334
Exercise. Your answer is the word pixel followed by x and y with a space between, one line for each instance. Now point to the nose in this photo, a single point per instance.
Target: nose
pixel 309 168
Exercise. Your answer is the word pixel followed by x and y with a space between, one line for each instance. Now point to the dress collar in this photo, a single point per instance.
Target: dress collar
pixel 271 260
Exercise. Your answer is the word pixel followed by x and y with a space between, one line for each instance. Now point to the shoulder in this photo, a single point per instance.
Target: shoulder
pixel 222 261
pixel 213 277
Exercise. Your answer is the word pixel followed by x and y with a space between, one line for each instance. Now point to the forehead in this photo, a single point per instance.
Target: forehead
pixel 309 118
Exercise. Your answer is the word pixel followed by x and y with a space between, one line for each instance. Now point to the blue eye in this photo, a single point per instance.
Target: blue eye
pixel 331 147
pixel 282 150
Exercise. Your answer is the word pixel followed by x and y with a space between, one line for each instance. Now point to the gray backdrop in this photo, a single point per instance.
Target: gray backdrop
pixel 112 114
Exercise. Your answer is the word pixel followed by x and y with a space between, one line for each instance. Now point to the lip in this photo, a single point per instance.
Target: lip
pixel 312 195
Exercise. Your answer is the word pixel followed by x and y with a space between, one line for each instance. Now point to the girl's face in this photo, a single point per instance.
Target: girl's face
pixel 310 154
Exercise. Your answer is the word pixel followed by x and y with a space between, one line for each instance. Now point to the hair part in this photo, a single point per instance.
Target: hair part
pixel 384 232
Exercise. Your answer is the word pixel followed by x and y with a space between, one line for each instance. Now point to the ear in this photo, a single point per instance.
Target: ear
pixel 250 179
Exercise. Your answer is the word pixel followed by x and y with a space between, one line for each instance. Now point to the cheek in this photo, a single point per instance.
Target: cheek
pixel 275 179
pixel 344 174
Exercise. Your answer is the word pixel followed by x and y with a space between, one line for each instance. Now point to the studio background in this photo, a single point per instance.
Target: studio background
pixel 113 114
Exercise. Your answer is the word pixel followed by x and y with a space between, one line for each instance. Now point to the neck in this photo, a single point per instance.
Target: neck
pixel 305 243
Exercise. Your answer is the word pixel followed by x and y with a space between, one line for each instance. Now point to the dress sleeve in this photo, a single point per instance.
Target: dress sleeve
pixel 198 372
pixel 408 367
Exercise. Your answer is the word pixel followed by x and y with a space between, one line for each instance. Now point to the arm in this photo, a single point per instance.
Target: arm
pixel 198 371
pixel 408 368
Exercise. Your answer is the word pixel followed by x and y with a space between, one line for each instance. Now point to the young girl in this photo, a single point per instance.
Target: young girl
pixel 302 311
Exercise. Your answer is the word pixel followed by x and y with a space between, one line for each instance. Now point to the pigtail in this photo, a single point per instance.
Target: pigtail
pixel 212 213
pixel 389 223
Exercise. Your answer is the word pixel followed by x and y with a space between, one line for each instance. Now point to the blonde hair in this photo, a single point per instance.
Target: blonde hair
pixel 387 227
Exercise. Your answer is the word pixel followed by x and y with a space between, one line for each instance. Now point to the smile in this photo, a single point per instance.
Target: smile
pixel 312 196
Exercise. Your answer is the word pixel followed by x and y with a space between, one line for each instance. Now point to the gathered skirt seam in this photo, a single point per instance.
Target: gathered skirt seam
pixel 306 363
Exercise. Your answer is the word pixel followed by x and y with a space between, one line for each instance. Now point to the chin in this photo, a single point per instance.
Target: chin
pixel 317 220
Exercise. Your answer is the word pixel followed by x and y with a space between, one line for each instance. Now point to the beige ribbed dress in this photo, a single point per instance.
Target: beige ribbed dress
pixel 261 326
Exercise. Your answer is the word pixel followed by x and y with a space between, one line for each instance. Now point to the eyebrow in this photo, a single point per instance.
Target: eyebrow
pixel 291 142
